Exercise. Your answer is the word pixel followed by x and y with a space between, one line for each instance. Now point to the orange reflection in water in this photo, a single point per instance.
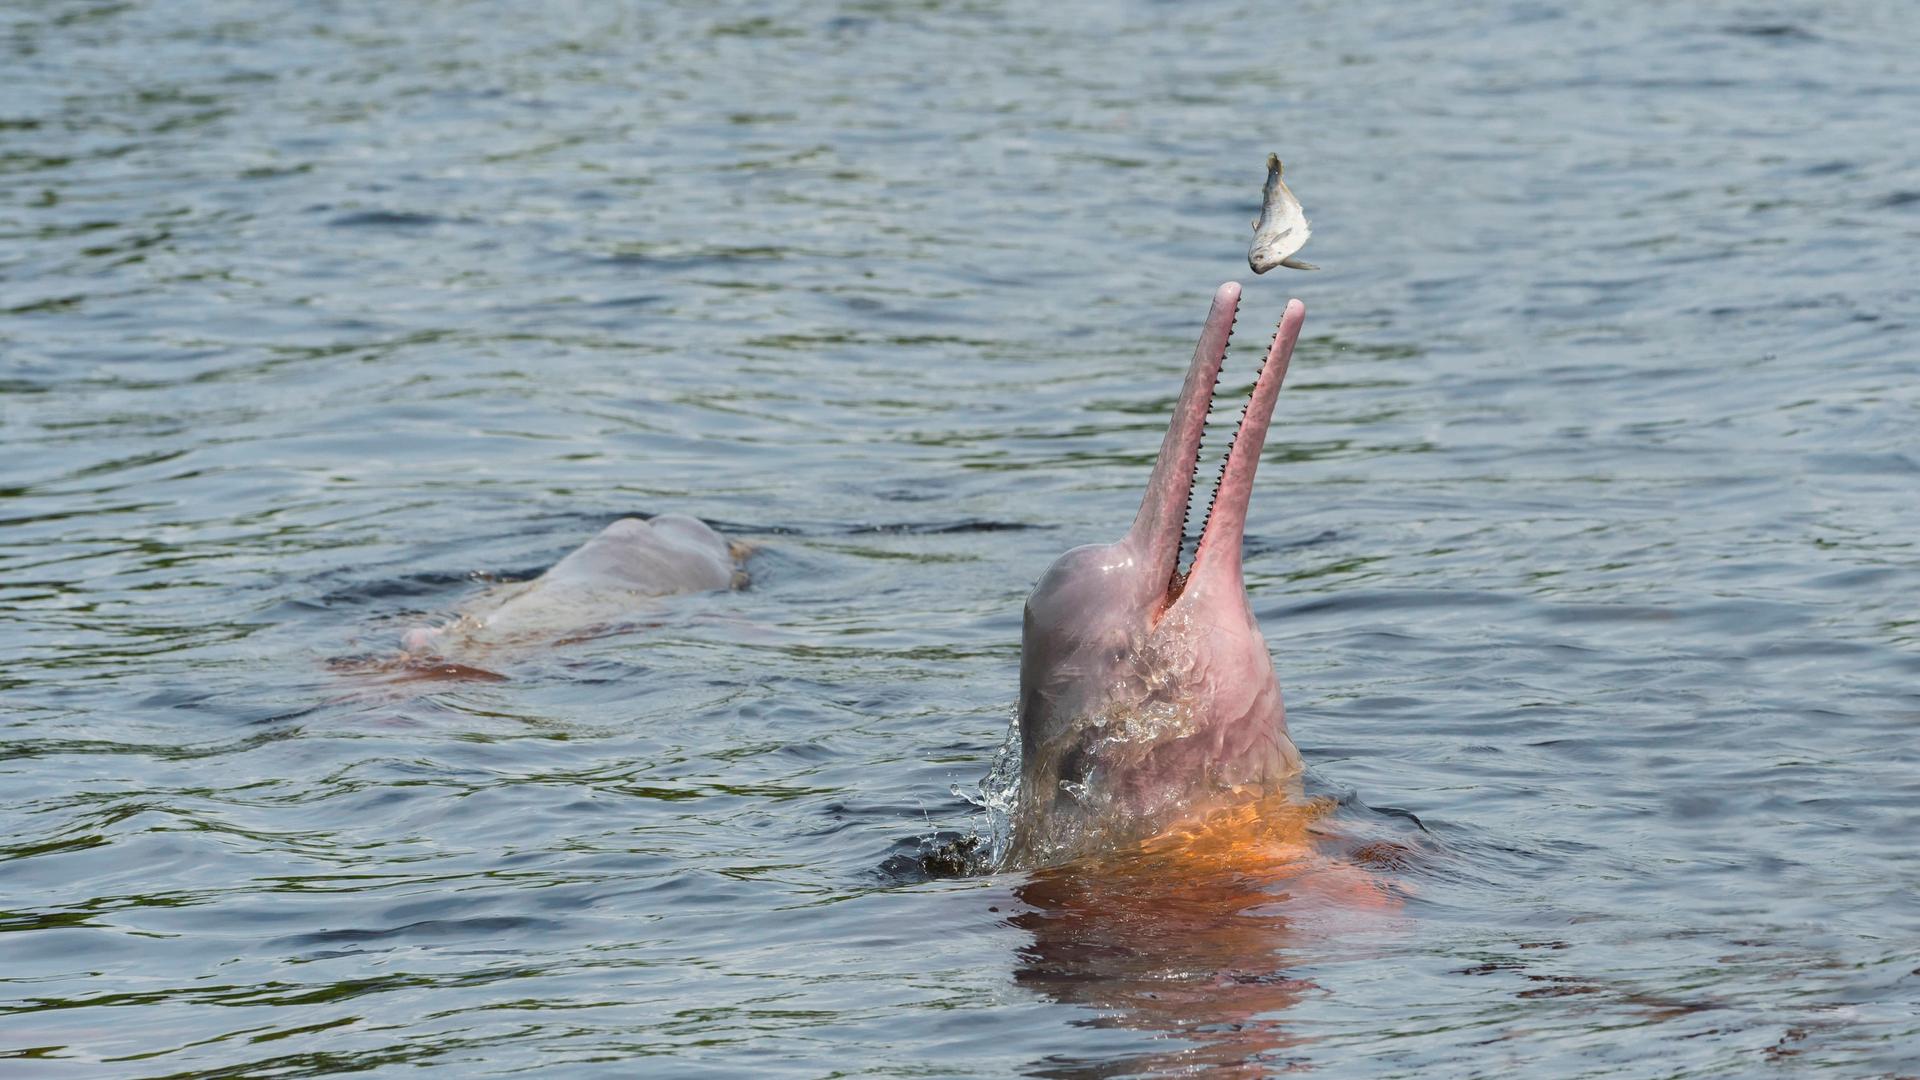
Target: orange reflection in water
pixel 1189 935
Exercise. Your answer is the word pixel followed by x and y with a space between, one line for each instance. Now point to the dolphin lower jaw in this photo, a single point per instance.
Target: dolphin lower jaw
pixel 1216 558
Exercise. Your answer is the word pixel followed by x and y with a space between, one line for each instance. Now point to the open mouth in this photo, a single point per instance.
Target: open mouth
pixel 1166 512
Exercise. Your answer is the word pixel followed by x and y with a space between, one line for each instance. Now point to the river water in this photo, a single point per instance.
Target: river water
pixel 1585 542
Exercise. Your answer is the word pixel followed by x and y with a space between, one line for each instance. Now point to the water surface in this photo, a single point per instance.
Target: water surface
pixel 1585 536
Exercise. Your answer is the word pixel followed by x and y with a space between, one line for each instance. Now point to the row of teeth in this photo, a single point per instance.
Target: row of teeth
pixel 1231 440
pixel 1200 446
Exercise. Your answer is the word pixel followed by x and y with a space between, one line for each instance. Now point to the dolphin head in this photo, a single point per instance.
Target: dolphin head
pixel 1147 695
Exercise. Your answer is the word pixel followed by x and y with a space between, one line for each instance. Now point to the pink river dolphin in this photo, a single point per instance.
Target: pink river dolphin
pixel 1147 695
pixel 601 587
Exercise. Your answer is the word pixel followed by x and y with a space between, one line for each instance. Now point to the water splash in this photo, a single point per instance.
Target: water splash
pixel 996 797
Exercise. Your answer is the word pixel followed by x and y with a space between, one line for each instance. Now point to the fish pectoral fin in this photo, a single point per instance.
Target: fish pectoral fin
pixel 1296 264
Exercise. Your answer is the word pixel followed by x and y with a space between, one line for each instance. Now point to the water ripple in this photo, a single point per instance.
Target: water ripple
pixel 1585 540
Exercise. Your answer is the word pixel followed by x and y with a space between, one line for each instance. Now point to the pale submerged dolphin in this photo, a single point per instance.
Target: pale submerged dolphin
pixel 597 587
pixel 1147 695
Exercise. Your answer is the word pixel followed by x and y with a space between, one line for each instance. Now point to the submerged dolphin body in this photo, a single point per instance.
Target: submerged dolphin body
pixel 601 584
pixel 1147 695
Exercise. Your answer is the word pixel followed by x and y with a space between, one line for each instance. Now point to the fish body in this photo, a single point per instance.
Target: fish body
pixel 1282 228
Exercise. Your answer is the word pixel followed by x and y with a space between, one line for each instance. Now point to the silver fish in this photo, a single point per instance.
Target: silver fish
pixel 1281 229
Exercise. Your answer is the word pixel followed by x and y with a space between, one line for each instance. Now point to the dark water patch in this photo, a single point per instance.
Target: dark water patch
pixel 1394 600
pixel 638 300
pixel 935 528
pixel 385 219
pixel 275 172
pixel 50 304
pixel 481 928
pixel 414 586
pixel 24 749
pixel 712 257
pixel 1771 31
pixel 929 858
pixel 1832 168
